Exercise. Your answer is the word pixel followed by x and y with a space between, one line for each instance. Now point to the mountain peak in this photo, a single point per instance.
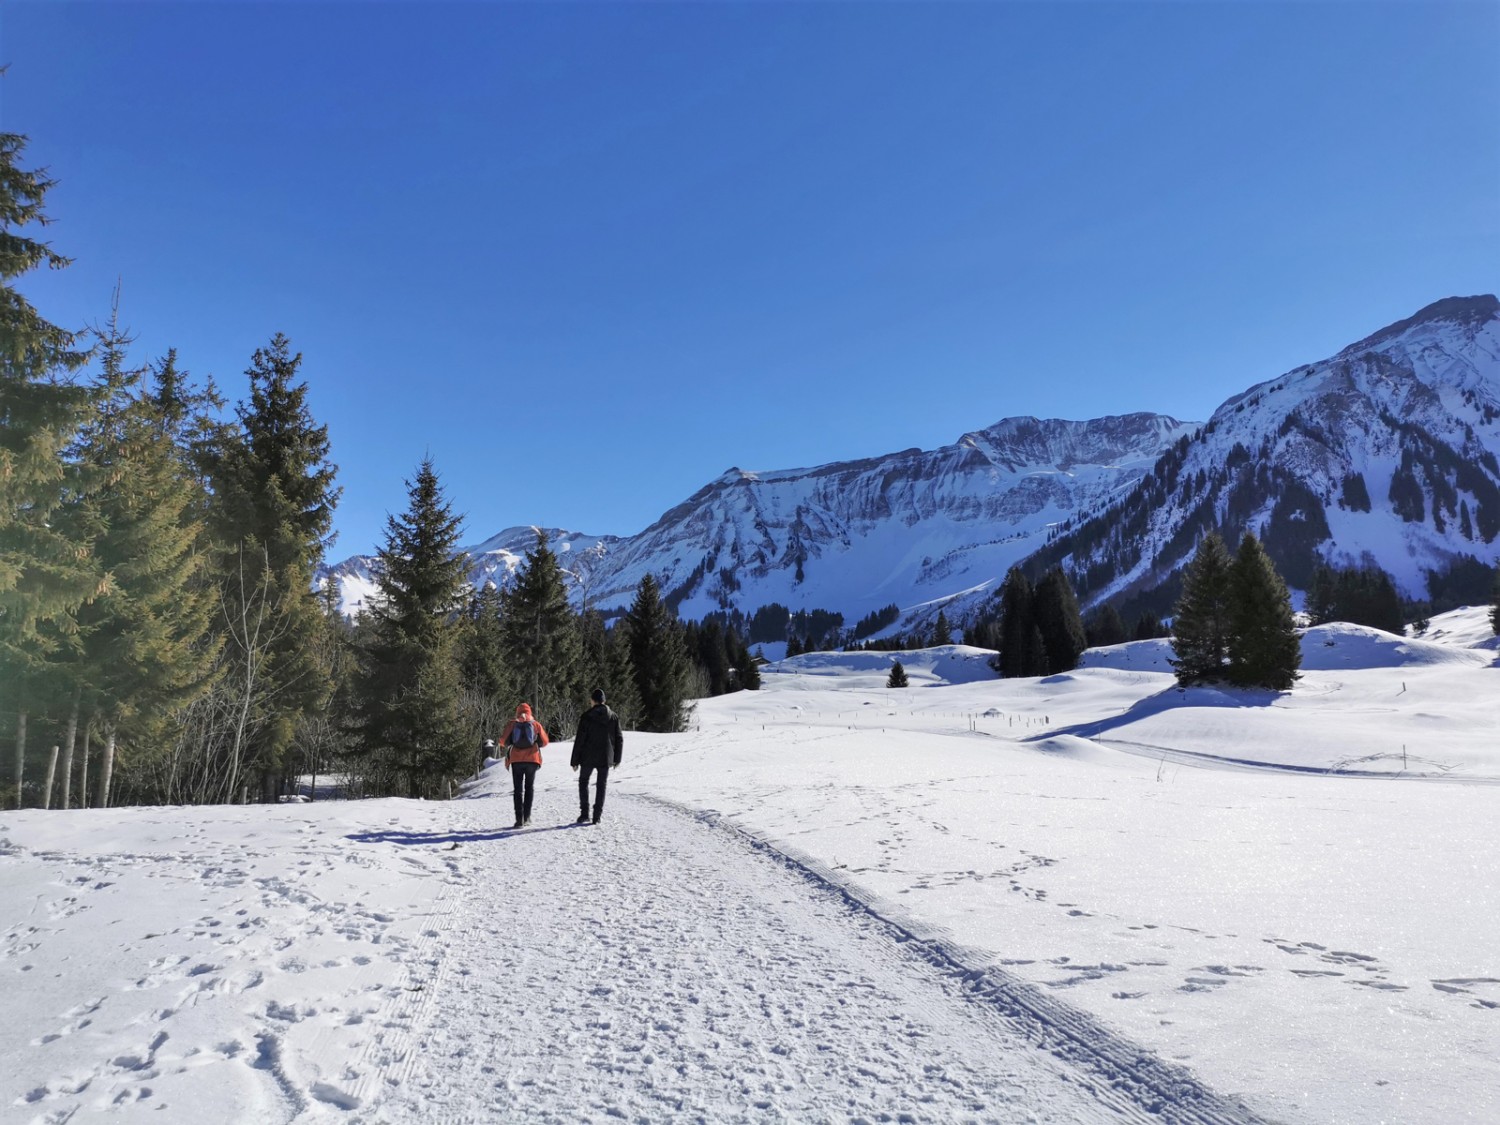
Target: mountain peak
pixel 1467 312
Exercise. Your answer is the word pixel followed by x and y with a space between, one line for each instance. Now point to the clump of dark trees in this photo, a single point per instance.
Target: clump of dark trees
pixel 1234 619
pixel 161 638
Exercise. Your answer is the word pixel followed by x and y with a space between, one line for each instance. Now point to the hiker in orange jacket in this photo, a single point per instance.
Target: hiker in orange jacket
pixel 523 739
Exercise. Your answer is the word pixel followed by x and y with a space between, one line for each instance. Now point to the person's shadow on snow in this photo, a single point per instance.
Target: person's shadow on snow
pixel 396 836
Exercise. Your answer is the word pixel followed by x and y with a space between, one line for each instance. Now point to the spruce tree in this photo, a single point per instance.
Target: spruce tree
pixel 1495 606
pixel 659 659
pixel 605 664
pixel 619 679
pixel 1034 651
pixel 1200 624
pixel 1147 628
pixel 144 649
pixel 1105 627
pixel 482 647
pixel 1017 623
pixel 1058 619
pixel 409 706
pixel 942 632
pixel 746 668
pixel 1263 647
pixel 1321 600
pixel 897 678
pixel 713 657
pixel 541 636
pixel 44 576
pixel 272 513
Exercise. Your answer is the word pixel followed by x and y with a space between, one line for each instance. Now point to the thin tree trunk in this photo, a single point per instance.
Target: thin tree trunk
pixel 51 776
pixel 67 761
pixel 107 767
pixel 83 769
pixel 20 752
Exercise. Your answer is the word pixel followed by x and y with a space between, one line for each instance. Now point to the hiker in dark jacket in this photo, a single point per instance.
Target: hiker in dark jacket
pixel 597 746
pixel 523 739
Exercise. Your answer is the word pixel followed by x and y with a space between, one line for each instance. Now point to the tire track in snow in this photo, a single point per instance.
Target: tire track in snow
pixel 1165 1092
pixel 666 966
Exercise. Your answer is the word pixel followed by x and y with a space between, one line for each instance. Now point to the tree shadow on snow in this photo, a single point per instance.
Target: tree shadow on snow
pixel 1169 699
pixel 396 836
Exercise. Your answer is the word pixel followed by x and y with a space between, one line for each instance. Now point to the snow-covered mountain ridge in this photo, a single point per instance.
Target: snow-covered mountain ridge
pixel 1384 452
pixel 915 528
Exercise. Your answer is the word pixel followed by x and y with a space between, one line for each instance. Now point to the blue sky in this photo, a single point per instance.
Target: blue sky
pixel 589 256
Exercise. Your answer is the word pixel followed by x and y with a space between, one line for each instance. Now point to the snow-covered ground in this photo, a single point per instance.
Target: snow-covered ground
pixel 1088 897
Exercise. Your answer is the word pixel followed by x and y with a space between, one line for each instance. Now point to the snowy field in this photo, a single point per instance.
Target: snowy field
pixel 1092 897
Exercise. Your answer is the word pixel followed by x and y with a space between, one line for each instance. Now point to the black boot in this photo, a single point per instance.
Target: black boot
pixel 583 817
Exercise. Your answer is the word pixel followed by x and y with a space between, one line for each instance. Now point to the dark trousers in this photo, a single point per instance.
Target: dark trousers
pixel 523 775
pixel 583 789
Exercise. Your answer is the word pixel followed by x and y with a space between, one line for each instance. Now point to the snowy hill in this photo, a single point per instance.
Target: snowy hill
pixel 1092 897
pixel 1385 452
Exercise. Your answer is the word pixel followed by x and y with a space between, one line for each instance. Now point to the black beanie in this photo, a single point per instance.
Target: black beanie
pixel 597 696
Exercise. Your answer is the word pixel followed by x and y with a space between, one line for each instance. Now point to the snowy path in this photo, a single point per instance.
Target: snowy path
pixel 656 968
pixel 402 962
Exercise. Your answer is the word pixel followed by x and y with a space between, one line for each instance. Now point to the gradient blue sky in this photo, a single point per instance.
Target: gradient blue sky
pixel 589 256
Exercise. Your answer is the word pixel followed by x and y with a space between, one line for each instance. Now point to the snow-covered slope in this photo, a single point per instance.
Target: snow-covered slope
pixel 914 528
pixel 1384 453
pixel 1088 897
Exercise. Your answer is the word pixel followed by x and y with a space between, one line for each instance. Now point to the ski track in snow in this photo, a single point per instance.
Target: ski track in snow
pixel 661 967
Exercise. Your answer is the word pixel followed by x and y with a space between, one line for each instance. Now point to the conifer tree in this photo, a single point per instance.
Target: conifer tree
pixel 1061 625
pixel 541 635
pixel 1200 625
pixel 942 632
pixel 897 678
pixel 1147 628
pixel 1105 627
pixel 1263 647
pixel 1034 652
pixel 1321 601
pixel 619 679
pixel 409 708
pixel 746 669
pixel 482 646
pixel 144 649
pixel 273 510
pixel 713 657
pixel 1495 607
pixel 605 664
pixel 1016 625
pixel 189 416
pixel 43 576
pixel 660 660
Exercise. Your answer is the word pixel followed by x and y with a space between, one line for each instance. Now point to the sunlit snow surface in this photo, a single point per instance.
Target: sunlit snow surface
pixel 1088 897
